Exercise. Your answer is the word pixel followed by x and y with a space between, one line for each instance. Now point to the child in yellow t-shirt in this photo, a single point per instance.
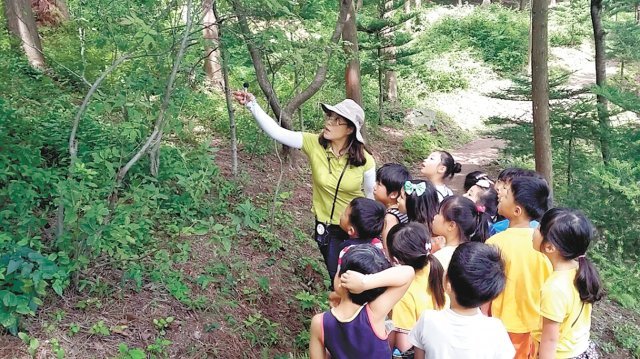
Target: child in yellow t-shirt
pixel 518 306
pixel 569 292
pixel 407 246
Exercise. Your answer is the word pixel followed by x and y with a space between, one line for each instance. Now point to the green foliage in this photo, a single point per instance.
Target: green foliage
pixel 497 34
pixel 570 24
pixel 627 334
pixel 261 331
pixel 421 143
pixel 130 353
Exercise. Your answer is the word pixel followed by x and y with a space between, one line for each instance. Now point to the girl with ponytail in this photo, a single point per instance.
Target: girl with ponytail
pixel 459 220
pixel 406 243
pixel 567 296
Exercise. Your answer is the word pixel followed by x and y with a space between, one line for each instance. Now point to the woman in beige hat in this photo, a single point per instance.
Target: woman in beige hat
pixel 341 166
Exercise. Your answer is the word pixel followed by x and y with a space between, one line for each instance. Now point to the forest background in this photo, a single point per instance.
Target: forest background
pixel 144 215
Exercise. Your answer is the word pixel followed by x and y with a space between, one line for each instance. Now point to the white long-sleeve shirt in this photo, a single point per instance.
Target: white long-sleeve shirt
pixel 293 139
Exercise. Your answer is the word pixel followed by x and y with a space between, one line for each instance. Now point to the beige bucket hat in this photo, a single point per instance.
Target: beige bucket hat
pixel 351 111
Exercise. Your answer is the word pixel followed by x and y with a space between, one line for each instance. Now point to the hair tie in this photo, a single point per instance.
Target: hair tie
pixel 480 208
pixel 584 256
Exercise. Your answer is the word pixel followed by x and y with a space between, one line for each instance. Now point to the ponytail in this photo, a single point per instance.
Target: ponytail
pixel 483 221
pixel 436 281
pixel 588 281
pixel 571 233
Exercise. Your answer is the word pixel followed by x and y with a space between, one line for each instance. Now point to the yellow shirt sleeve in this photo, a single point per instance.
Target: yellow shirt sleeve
pixel 554 303
pixel 309 142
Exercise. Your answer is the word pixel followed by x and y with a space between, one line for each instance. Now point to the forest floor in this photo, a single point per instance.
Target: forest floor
pixel 260 300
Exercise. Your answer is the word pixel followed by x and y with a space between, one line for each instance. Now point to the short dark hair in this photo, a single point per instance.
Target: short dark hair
pixel 533 194
pixel 392 176
pixel 476 273
pixel 473 177
pixel 452 167
pixel 508 174
pixel 367 217
pixel 365 259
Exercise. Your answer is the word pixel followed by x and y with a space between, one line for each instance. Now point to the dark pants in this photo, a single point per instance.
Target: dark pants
pixel 329 245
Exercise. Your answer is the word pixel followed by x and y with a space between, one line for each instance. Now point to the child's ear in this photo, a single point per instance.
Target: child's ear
pixel 548 247
pixel 394 195
pixel 442 168
pixel 351 231
pixel 447 284
pixel 518 211
pixel 451 226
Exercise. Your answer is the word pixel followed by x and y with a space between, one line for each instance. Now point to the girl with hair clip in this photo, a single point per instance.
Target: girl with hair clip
pixel 407 245
pixel 459 220
pixel 568 294
pixel 438 168
pixel 485 196
pixel 419 200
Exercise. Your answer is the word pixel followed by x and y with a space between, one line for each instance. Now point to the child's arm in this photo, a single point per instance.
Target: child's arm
pixel 418 353
pixel 316 344
pixel 389 221
pixel 549 340
pixel 396 279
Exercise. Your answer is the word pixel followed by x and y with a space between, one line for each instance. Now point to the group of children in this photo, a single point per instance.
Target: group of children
pixel 493 273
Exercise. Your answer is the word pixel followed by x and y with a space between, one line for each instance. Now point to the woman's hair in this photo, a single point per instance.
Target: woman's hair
pixel 365 259
pixel 571 233
pixel 476 273
pixel 473 177
pixel 356 148
pixel 407 243
pixel 424 207
pixel 473 224
pixel 452 167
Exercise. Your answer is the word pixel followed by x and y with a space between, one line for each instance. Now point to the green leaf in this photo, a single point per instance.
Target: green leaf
pixel 8 298
pixel 13 266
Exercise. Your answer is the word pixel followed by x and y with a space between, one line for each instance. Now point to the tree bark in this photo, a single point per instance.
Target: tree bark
pixel 540 89
pixel 553 3
pixel 50 12
pixel 22 23
pixel 601 77
pixel 352 70
pixel 485 3
pixel 523 5
pixel 388 57
pixel 210 34
pixel 229 101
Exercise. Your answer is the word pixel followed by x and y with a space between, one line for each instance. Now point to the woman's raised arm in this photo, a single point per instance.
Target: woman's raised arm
pixel 269 125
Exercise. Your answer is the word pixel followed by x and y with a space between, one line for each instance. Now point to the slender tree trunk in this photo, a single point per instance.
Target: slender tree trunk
pixel 601 77
pixel 540 89
pixel 485 3
pixel 212 46
pixel 407 10
pixel 388 57
pixel 352 71
pixel 22 23
pixel 459 2
pixel 227 95
pixel 638 12
pixel 417 4
pixel 523 5
pixel 553 3
pixel 380 87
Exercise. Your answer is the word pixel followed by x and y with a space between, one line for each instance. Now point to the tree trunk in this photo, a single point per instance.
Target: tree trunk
pixel 380 88
pixel 352 71
pixel 459 2
pixel 523 5
pixel 417 4
pixel 50 12
pixel 638 12
pixel 407 10
pixel 485 3
pixel 540 89
pixel 553 3
pixel 212 46
pixel 21 22
pixel 227 95
pixel 601 77
pixel 388 57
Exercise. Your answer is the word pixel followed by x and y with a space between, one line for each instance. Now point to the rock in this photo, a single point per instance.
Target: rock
pixel 421 117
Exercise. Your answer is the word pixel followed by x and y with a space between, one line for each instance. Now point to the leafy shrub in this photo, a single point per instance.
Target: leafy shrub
pixel 499 35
